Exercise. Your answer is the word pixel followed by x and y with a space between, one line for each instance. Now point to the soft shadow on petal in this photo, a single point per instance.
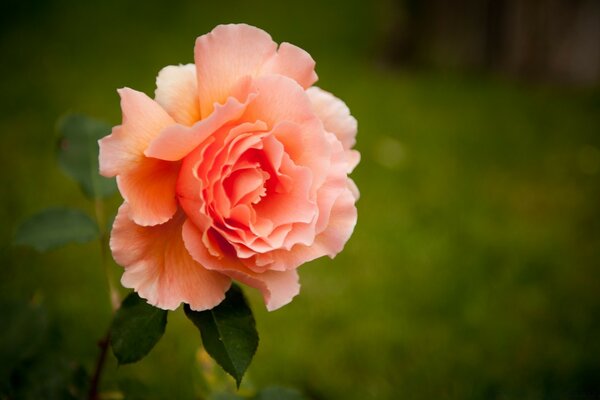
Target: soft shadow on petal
pixel 143 120
pixel 160 269
pixel 177 92
pixel 150 191
pixel 277 287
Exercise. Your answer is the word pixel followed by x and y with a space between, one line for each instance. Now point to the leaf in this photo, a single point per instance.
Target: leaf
pixel 279 393
pixel 78 154
pixel 136 329
pixel 228 332
pixel 55 227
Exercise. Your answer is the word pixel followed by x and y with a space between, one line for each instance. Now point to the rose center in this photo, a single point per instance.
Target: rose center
pixel 246 185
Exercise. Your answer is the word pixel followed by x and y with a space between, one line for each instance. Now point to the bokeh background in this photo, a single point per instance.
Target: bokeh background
pixel 473 272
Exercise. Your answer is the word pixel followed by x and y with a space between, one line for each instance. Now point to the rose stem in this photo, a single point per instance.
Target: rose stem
pixel 113 294
pixel 100 218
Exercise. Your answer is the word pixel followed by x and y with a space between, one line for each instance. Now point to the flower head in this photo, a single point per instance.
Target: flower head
pixel 237 169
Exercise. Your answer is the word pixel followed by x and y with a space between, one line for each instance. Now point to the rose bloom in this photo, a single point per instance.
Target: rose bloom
pixel 238 169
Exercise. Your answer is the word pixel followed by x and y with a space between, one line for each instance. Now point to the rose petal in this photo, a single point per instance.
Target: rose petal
pixel 293 62
pixel 143 120
pixel 160 269
pixel 340 225
pixel 149 189
pixel 335 115
pixel 278 287
pixel 224 56
pixel 177 92
pixel 352 160
pixel 330 242
pixel 353 188
pixel 196 168
pixel 177 141
pixel 279 99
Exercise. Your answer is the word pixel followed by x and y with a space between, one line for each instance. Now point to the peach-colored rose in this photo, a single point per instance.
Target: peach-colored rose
pixel 236 170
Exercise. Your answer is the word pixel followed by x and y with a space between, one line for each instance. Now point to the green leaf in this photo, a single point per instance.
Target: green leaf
pixel 279 393
pixel 228 332
pixel 78 154
pixel 55 227
pixel 136 328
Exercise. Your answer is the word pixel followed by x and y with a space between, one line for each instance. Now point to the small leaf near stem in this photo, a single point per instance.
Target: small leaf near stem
pixel 78 154
pixel 136 328
pixel 55 227
pixel 228 332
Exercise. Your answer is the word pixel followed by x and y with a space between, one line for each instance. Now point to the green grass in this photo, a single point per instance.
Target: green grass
pixel 473 270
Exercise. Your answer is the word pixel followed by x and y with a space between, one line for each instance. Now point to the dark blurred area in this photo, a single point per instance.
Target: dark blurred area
pixel 474 270
pixel 540 40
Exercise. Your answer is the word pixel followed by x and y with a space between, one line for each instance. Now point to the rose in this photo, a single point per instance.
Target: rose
pixel 236 170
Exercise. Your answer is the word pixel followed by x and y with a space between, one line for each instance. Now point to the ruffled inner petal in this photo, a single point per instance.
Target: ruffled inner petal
pixel 178 141
pixel 277 287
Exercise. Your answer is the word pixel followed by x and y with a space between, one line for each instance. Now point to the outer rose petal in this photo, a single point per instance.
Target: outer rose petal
pixel 279 99
pixel 335 115
pixel 150 191
pixel 160 269
pixel 278 287
pixel 233 52
pixel 147 184
pixel 177 92
pixel 292 62
pixel 224 56
pixel 340 227
pixel 143 119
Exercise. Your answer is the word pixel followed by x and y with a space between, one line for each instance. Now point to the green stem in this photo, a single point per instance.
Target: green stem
pixel 115 300
pixel 95 383
pixel 113 294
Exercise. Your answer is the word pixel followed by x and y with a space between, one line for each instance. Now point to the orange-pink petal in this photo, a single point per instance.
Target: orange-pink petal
pixel 177 92
pixel 279 98
pixel 178 141
pixel 149 188
pixel 160 269
pixel 277 287
pixel 335 115
pixel 329 242
pixel 226 55
pixel 293 62
pixel 143 120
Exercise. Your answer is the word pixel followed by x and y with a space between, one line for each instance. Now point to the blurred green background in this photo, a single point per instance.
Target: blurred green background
pixel 473 272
